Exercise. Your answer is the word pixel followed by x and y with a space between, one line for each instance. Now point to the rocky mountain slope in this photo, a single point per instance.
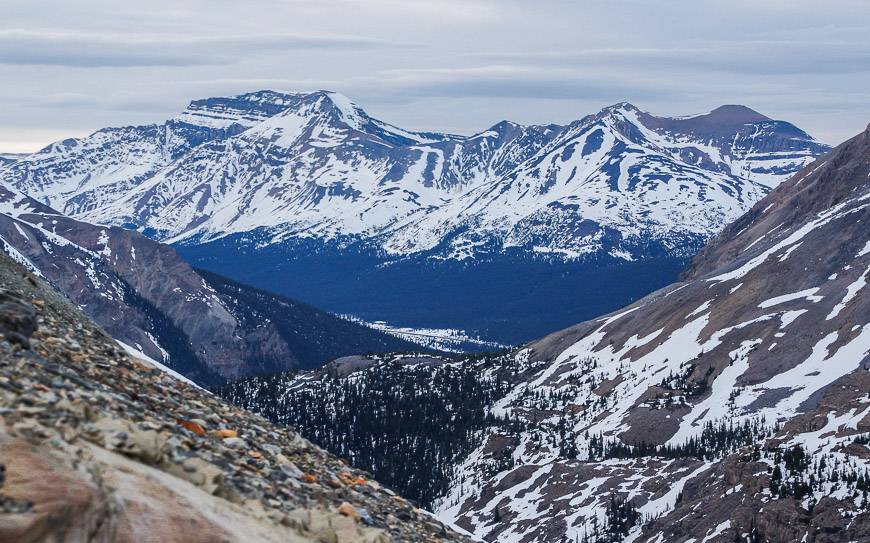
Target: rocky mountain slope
pixel 209 328
pixel 98 446
pixel 327 202
pixel 732 405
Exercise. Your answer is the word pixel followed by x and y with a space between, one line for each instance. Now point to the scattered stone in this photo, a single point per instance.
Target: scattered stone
pixel 192 426
pixel 274 450
pixel 235 443
pixel 11 505
pixel 290 469
pixel 350 479
pixel 223 433
pixel 200 473
pixel 17 319
pixel 348 510
pixel 122 436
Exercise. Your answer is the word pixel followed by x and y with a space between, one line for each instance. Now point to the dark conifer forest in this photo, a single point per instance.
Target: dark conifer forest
pixel 407 424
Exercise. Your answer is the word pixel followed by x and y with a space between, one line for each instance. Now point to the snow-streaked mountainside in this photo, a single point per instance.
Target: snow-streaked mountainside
pixel 145 296
pixel 509 234
pixel 732 405
pixel 317 166
pixel 8 158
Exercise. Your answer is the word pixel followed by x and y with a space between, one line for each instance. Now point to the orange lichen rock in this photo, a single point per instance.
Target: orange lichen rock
pixel 192 426
pixel 350 480
pixel 348 510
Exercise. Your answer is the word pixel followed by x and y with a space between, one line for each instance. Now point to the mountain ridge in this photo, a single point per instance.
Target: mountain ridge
pixel 325 118
pixel 308 196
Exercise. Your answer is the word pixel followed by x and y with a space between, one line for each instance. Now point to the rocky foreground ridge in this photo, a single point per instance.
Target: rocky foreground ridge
pixel 98 446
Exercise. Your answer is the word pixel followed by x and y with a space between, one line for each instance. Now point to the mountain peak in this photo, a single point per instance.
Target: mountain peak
pixel 502 127
pixel 263 95
pixel 248 109
pixel 348 111
pixel 223 112
pixel 735 114
pixel 620 107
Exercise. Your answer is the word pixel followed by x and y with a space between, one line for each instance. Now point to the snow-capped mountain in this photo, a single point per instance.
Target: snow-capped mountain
pixel 732 405
pixel 715 407
pixel 316 165
pixel 255 186
pixel 146 297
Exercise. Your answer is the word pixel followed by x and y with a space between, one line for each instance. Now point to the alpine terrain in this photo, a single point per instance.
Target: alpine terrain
pixel 307 195
pixel 200 324
pixel 99 446
pixel 732 405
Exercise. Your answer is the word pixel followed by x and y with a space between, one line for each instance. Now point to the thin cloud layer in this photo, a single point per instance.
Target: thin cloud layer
pixel 87 50
pixel 755 57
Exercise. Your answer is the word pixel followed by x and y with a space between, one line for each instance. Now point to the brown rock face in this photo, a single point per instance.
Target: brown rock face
pixel 63 504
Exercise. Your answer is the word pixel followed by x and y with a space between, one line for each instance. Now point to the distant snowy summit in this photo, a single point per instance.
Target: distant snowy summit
pixel 271 167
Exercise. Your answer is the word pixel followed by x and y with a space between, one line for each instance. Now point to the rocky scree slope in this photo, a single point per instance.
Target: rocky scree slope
pixel 734 404
pixel 96 445
pixel 142 293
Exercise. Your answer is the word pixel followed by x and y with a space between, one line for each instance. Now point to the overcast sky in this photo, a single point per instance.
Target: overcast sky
pixel 68 68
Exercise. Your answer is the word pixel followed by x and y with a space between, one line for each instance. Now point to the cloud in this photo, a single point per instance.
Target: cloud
pixel 467 11
pixel 50 48
pixel 11 140
pixel 511 81
pixel 767 57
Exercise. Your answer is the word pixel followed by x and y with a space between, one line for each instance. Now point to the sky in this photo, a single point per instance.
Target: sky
pixel 69 68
